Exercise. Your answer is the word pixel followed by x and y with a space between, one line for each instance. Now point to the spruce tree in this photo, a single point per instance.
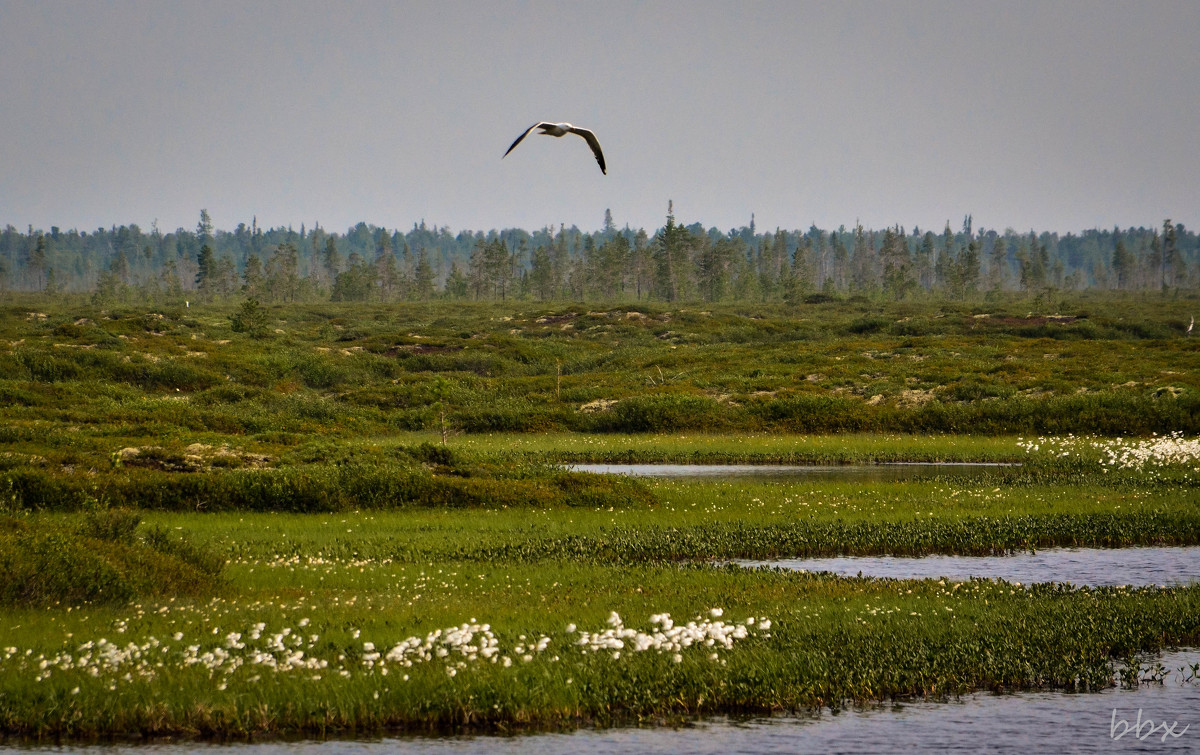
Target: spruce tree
pixel 206 272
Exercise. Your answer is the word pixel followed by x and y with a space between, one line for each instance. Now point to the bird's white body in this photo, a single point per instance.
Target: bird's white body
pixel 555 129
pixel 562 129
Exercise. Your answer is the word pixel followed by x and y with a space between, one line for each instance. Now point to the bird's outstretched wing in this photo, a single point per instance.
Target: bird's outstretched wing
pixel 594 143
pixel 523 135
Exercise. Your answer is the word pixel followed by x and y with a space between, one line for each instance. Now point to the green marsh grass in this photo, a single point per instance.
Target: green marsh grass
pixel 1112 367
pixel 829 641
pixel 304 463
pixel 339 580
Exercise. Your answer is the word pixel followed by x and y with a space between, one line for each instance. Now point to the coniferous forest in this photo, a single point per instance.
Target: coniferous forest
pixel 677 262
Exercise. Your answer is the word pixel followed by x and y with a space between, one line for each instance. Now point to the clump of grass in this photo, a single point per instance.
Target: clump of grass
pixel 100 560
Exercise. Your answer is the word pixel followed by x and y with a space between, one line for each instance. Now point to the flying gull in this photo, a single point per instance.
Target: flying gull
pixel 559 129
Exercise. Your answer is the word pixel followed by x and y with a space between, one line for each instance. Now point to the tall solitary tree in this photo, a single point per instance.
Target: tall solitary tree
pixel 204 228
pixel 206 272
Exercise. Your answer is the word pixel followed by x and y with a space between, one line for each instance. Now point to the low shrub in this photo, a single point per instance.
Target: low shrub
pixel 663 413
pixel 98 561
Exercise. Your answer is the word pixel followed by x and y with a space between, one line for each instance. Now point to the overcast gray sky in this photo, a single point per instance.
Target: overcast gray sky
pixel 1045 115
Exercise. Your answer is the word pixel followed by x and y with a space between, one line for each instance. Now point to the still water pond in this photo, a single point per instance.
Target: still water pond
pixel 1094 567
pixel 839 472
pixel 1168 713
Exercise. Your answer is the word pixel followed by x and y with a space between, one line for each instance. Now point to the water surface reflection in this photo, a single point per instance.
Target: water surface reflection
pixel 1095 567
pixel 838 472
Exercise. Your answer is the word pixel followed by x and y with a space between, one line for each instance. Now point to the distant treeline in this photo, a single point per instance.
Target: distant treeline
pixel 677 263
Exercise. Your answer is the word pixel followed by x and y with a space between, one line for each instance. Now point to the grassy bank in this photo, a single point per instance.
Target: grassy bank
pixel 322 649
pixel 696 521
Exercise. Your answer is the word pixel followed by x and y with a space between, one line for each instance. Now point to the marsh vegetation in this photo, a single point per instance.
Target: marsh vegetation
pixel 337 519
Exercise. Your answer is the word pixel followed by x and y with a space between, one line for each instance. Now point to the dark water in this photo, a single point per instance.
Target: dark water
pixel 842 472
pixel 1031 722
pixel 1095 567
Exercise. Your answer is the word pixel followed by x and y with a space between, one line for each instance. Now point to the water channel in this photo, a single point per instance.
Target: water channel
pixel 1096 567
pixel 898 471
pixel 1093 567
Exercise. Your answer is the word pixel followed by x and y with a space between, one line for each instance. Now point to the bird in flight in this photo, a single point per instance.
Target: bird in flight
pixel 559 129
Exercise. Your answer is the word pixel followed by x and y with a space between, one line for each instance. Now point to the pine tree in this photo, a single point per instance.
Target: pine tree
pixel 331 260
pixel 423 277
pixel 252 277
pixel 356 282
pixel 206 272
pixel 744 276
pixel 204 228
pixel 108 289
pixel 764 264
pixel 1123 263
pixel 388 274
pixel 800 280
pixel 841 260
pixel 945 267
pixel 541 275
pixel 497 268
pixel 226 276
pixel 383 243
pixel 283 273
pixel 36 264
pixel 172 284
pixel 643 267
pixel 120 267
pixel 712 268
pixel 924 261
pixel 52 284
pixel 1031 263
pixel 967 273
pixel 559 262
pixel 897 265
pixel 457 284
pixel 250 318
pixel 616 255
pixel 670 258
pixel 862 278
pixel 610 228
